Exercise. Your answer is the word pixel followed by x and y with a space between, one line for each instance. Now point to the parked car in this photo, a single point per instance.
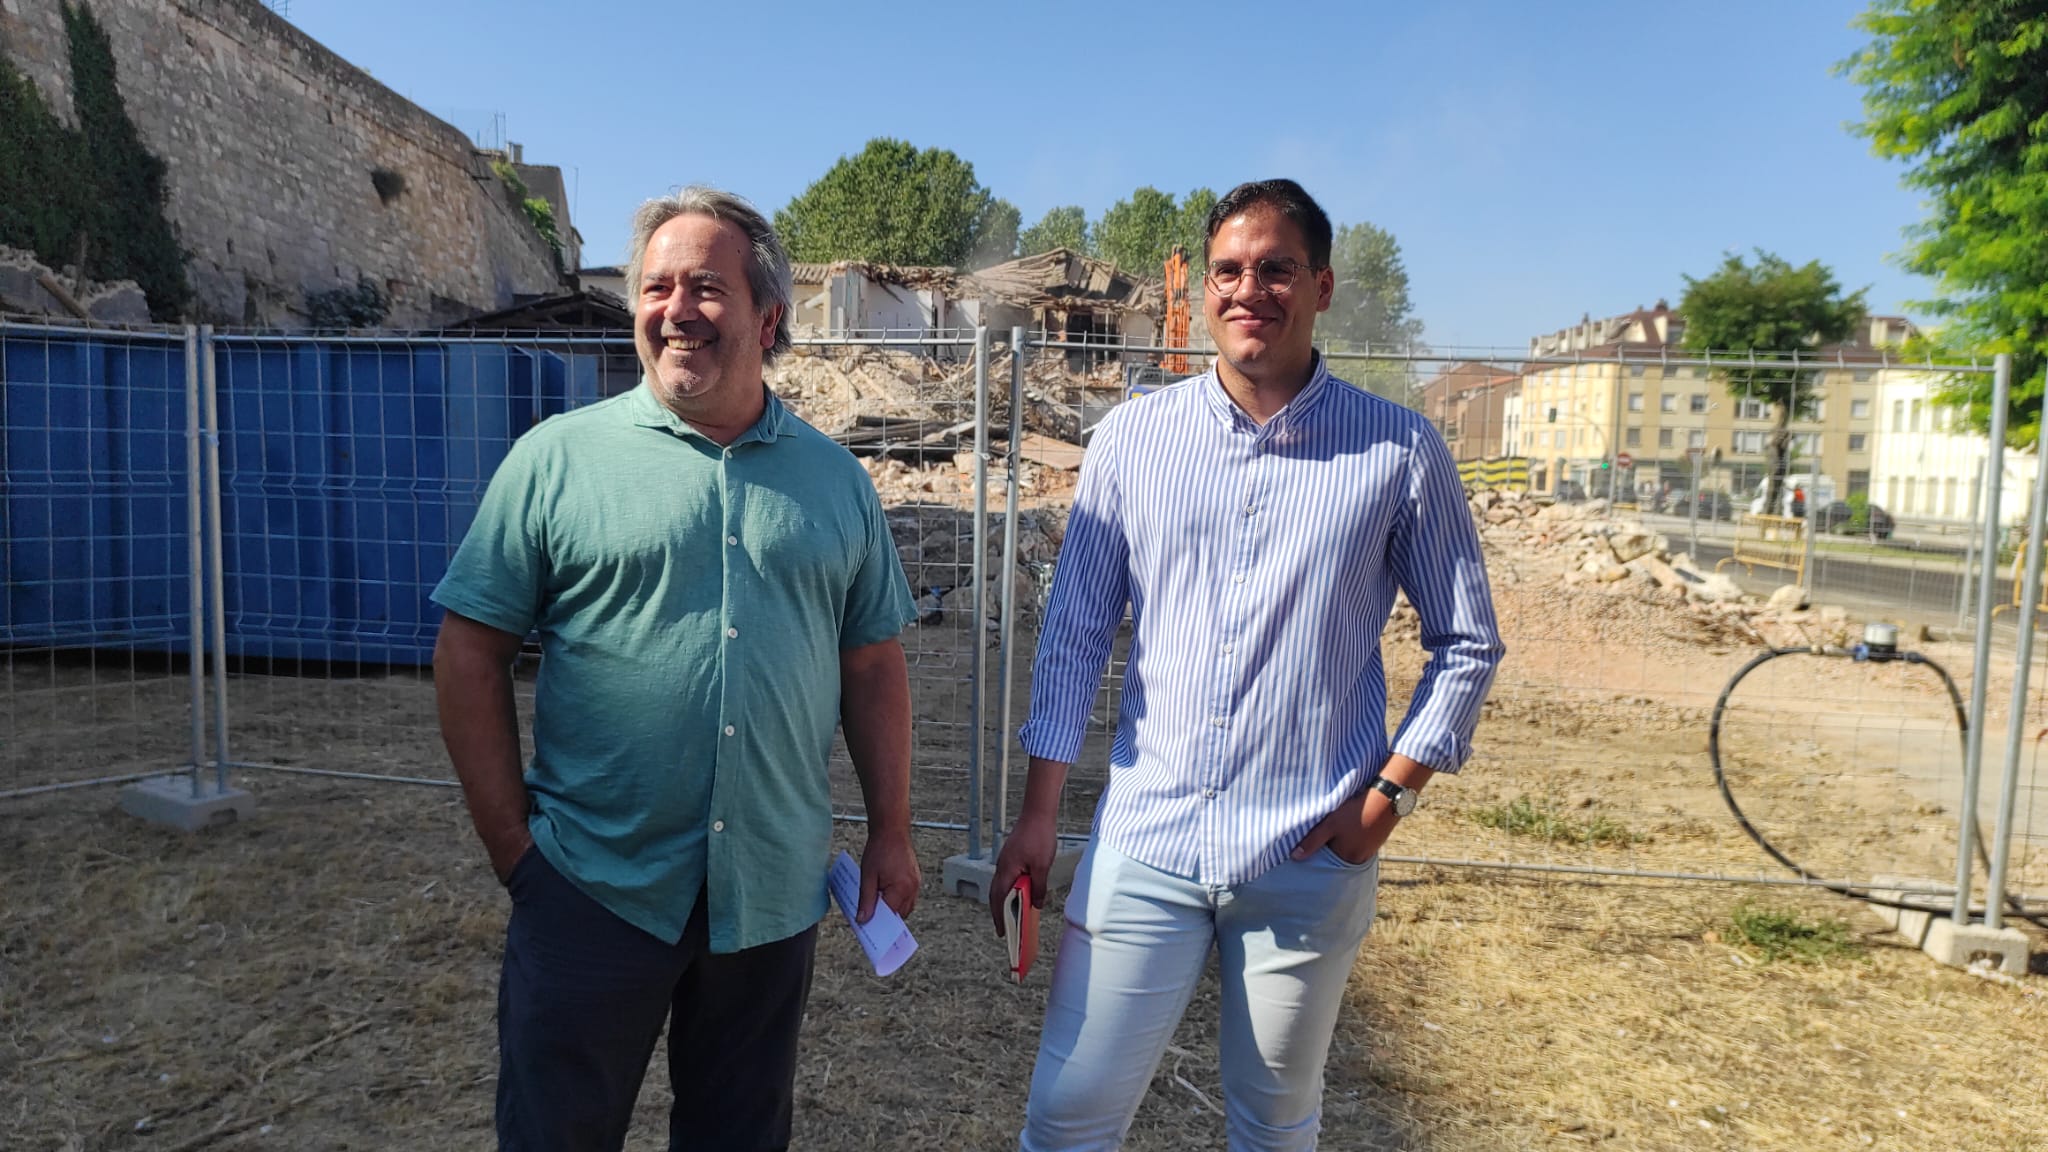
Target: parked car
pixel 1838 516
pixel 1714 504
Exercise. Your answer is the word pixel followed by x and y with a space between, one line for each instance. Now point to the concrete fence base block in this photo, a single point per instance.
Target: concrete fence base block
pixel 969 877
pixel 173 802
pixel 1932 929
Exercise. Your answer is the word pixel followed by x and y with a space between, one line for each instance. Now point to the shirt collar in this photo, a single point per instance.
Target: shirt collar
pixel 1294 414
pixel 648 412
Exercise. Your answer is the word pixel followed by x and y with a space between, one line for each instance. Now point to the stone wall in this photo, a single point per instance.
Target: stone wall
pixel 271 142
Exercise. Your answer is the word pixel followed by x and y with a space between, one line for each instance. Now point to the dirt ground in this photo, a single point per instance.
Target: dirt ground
pixel 323 976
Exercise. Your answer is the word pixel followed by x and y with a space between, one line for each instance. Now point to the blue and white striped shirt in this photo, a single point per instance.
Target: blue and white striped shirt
pixel 1260 566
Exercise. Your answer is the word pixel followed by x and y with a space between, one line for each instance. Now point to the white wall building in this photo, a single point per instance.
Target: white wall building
pixel 1926 468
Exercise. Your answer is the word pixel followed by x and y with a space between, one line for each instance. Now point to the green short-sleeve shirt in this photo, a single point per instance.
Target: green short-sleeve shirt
pixel 692 602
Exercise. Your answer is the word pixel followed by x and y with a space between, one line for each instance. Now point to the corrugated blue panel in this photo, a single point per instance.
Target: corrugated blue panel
pixel 93 488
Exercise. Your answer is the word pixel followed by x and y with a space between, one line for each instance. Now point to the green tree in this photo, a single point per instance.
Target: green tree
pixel 1956 89
pixel 1370 306
pixel 1193 226
pixel 1062 227
pixel 995 235
pixel 1769 306
pixel 892 203
pixel 1137 233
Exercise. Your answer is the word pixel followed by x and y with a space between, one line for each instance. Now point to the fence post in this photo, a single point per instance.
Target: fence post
pixel 1009 630
pixel 1973 756
pixel 2001 836
pixel 976 808
pixel 217 573
pixel 195 556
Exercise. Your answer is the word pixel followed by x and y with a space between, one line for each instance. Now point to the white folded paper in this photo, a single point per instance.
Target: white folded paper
pixel 884 938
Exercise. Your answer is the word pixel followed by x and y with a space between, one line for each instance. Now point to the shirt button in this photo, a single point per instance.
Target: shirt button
pixel 1247 509
pixel 733 540
pixel 732 633
pixel 1208 793
pixel 729 730
pixel 1216 720
pixel 728 453
pixel 1237 579
pixel 1229 648
pixel 718 825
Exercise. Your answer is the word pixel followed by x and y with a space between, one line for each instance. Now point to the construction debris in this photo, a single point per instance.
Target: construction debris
pixel 1580 545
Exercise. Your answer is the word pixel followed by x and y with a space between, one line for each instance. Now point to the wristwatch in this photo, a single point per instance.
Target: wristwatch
pixel 1403 798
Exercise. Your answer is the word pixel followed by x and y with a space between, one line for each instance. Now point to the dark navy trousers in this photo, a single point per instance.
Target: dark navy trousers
pixel 580 1006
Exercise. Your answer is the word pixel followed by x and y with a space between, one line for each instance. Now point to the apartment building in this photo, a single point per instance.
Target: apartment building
pixel 1625 414
pixel 1467 401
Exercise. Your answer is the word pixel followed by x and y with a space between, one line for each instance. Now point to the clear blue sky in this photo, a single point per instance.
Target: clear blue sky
pixel 1536 161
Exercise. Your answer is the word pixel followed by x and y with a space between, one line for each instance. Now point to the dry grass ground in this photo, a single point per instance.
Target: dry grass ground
pixel 322 978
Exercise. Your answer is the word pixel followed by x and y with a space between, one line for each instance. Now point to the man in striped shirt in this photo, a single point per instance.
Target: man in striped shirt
pixel 1257 521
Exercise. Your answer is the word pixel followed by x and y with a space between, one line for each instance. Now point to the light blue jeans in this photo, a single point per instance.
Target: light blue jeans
pixel 1135 943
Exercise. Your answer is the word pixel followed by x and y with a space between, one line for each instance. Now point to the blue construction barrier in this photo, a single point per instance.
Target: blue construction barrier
pixel 349 472
pixel 93 484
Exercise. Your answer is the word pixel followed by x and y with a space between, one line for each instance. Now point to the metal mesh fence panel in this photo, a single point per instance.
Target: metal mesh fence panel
pixel 97 434
pixel 1623 628
pixel 352 467
pixel 1633 565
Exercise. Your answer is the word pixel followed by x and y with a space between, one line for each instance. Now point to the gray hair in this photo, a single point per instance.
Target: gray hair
pixel 767 268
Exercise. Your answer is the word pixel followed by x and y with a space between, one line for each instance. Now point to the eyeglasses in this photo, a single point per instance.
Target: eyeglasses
pixel 1276 274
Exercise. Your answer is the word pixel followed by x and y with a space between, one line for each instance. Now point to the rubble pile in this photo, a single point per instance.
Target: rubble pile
pixel 936 545
pixel 1530 541
pixel 837 389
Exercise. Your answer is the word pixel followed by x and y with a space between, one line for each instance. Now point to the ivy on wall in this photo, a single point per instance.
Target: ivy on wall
pixel 539 212
pixel 92 196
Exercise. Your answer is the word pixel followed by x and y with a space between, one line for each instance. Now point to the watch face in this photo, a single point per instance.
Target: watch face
pixel 1403 798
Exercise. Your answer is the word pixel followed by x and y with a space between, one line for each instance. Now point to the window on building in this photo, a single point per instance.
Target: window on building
pixel 1820 409
pixel 1891 492
pixel 1557 438
pixel 1898 415
pixel 1668 402
pixel 1858 441
pixel 1635 401
pixel 1859 409
pixel 1633 438
pixel 1806 445
pixel 1696 438
pixel 1859 482
pixel 1913 417
pixel 1948 498
pixel 1663 437
pixel 1907 507
pixel 1636 369
pixel 1699 402
pixel 1938 418
pixel 1862 375
pixel 1749 443
pixel 1749 408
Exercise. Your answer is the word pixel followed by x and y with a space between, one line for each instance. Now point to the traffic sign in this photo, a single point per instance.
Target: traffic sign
pixel 1624 460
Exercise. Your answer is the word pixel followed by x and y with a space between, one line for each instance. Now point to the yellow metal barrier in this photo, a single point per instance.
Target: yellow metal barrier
pixel 1770 542
pixel 1501 472
pixel 2019 585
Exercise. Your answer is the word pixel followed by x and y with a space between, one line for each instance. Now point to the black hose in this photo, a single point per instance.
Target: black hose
pixel 1861 653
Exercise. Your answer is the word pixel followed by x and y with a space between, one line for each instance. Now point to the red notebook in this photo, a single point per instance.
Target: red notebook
pixel 1020 928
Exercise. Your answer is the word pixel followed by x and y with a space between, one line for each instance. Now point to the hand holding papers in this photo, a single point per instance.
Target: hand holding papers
pixel 884 937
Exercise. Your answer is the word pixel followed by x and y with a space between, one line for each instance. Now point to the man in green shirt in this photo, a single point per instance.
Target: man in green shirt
pixel 715 590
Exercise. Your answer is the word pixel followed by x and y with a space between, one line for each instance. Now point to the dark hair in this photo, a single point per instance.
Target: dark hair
pixel 1288 199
